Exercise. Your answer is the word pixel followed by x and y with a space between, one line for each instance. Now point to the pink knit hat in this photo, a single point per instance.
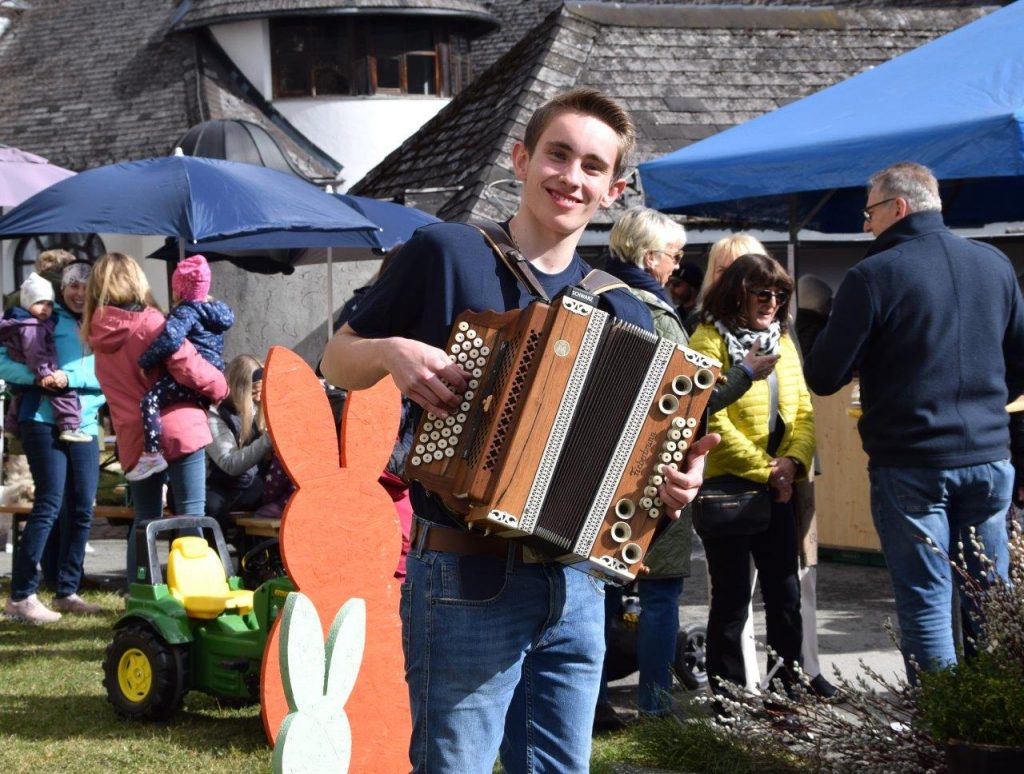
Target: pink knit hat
pixel 191 279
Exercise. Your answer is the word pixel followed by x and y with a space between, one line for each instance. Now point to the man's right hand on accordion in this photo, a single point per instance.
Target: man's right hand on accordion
pixel 681 486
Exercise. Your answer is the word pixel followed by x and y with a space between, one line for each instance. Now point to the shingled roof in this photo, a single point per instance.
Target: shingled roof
pixel 684 71
pixel 83 100
pixel 517 17
pixel 195 13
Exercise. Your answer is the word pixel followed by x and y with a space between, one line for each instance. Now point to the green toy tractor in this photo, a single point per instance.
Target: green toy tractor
pixel 198 630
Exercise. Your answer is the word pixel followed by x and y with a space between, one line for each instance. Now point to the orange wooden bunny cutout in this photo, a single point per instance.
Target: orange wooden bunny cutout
pixel 340 539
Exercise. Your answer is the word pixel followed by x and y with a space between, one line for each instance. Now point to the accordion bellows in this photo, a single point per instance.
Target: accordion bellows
pixel 560 439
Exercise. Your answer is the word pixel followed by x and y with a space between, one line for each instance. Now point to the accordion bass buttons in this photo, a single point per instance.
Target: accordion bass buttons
pixel 704 378
pixel 625 508
pixel 632 553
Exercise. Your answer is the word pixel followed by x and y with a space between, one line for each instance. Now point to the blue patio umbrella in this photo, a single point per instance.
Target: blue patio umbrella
pixel 272 251
pixel 193 199
pixel 395 222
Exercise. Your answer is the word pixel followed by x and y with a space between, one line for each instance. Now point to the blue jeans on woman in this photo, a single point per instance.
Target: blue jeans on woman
pixel 656 634
pixel 187 478
pixel 911 505
pixel 500 655
pixel 62 473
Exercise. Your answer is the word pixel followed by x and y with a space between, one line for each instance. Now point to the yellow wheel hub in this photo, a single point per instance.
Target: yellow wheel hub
pixel 134 675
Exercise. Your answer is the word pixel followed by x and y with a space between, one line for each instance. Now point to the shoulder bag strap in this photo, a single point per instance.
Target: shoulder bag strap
pixel 505 248
pixel 598 282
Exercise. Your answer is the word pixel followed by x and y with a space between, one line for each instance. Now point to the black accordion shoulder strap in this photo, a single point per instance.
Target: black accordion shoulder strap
pixel 506 249
pixel 598 282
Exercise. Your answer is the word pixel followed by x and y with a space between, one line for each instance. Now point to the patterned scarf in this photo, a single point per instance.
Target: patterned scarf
pixel 740 341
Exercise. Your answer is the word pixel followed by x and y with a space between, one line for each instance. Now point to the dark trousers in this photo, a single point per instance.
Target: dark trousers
pixel 165 392
pixel 775 556
pixel 221 500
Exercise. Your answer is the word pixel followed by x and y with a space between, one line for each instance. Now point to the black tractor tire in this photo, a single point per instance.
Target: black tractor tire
pixel 690 663
pixel 145 677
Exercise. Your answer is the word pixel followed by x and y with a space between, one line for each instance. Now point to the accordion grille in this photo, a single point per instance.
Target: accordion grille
pixel 615 378
pixel 515 390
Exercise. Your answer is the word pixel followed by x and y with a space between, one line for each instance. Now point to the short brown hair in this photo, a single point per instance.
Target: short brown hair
pixel 726 301
pixel 53 260
pixel 588 102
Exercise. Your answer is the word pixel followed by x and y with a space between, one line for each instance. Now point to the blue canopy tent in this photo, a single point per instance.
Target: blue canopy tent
pixel 955 104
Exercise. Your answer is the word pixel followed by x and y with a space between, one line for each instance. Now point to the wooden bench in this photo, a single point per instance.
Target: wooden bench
pixel 20 513
pixel 254 526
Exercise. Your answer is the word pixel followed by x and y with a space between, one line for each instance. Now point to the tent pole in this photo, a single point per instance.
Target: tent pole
pixel 330 294
pixel 794 230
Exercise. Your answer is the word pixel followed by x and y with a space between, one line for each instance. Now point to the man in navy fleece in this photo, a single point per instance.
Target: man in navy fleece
pixel 934 324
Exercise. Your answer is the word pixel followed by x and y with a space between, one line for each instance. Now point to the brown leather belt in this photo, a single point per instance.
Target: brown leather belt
pixel 454 541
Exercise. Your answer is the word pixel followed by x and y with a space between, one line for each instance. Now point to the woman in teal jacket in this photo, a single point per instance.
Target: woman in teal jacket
pixel 63 472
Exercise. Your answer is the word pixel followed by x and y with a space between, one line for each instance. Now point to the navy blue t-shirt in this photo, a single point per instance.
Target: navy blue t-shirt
pixel 443 271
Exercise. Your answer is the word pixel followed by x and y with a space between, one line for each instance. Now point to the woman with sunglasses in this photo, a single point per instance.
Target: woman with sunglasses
pixel 767 438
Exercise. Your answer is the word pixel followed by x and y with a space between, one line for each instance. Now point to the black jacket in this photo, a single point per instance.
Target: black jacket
pixel 934 324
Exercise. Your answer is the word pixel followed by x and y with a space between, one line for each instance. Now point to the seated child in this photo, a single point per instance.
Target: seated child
pixel 27 332
pixel 202 321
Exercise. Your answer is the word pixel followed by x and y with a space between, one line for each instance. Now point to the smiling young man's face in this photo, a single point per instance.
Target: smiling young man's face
pixel 569 174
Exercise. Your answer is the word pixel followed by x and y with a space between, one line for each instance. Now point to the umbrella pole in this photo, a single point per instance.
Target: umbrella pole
pixel 330 295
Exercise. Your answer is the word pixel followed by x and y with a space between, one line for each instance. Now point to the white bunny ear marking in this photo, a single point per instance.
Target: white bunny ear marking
pixel 345 644
pixel 302 654
pixel 307 744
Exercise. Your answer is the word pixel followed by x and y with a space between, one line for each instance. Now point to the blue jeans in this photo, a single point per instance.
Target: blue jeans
pixel 657 631
pixel 187 478
pixel 911 504
pixel 500 656
pixel 62 473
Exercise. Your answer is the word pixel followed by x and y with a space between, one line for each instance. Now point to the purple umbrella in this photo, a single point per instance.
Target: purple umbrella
pixel 24 174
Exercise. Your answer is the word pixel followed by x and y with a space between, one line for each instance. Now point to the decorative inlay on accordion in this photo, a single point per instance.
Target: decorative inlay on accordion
pixel 560 437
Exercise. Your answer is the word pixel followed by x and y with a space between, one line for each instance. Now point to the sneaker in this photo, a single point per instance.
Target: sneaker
pixel 30 610
pixel 76 605
pixel 147 465
pixel 74 436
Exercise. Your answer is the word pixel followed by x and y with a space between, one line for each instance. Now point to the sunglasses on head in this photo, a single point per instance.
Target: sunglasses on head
pixel 764 295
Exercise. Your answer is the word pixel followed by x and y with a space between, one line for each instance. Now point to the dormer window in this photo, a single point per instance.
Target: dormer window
pixel 321 56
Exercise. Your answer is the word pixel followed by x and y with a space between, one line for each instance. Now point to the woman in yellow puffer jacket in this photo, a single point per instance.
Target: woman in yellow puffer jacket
pixel 748 307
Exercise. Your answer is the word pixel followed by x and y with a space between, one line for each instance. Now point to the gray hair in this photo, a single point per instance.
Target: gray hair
pixel 639 230
pixel 914 183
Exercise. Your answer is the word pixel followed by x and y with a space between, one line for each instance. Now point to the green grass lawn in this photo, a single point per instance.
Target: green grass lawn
pixel 54 716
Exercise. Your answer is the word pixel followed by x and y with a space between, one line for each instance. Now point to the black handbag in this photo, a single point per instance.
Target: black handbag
pixel 730 505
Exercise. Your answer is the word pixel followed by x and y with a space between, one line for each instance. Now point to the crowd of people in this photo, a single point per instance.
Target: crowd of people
pixel 80 338
pixel 504 652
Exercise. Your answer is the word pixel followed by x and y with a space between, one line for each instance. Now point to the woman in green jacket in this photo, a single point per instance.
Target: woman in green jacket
pixel 646 246
pixel 767 438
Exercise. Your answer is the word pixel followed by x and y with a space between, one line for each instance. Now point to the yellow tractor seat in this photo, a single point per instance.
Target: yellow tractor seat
pixel 195 577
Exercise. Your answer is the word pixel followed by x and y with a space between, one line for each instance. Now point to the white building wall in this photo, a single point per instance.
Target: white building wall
pixel 359 131
pixel 248 45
